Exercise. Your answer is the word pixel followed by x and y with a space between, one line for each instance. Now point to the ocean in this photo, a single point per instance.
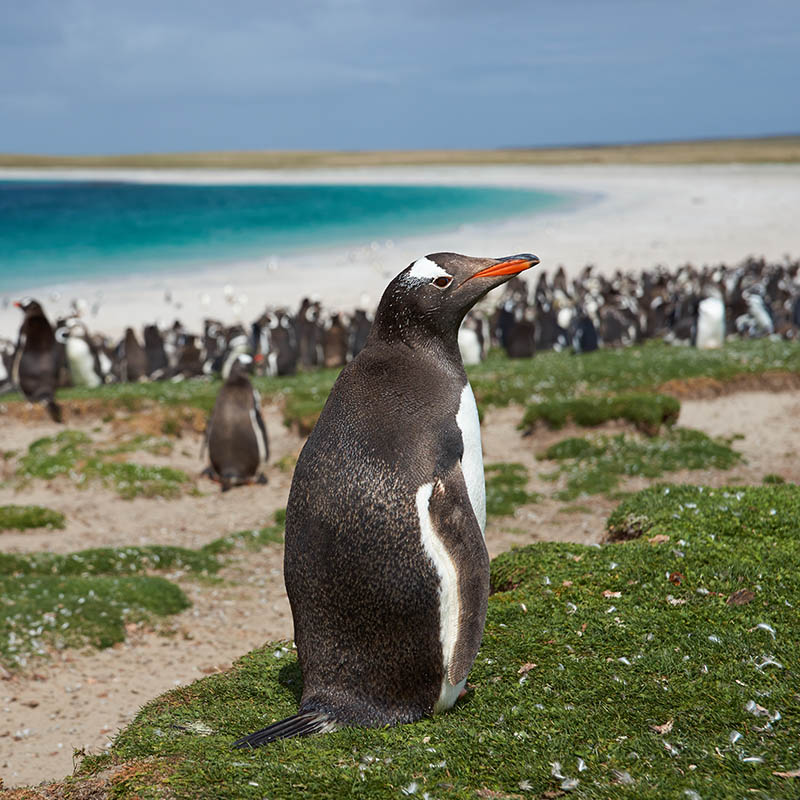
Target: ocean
pixel 57 232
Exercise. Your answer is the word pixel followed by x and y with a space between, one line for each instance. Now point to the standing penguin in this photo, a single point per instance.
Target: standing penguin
pixel 236 435
pixel 35 368
pixel 385 563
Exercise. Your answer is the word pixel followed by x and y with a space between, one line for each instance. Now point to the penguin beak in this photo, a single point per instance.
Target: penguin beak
pixel 17 304
pixel 510 265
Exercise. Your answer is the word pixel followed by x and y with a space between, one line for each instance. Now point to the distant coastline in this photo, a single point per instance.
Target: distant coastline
pixel 765 149
pixel 642 215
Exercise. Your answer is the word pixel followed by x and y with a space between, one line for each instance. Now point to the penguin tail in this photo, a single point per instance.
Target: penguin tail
pixel 306 723
pixel 54 410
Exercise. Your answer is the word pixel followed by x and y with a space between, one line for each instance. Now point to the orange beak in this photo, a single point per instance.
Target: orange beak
pixel 17 304
pixel 512 265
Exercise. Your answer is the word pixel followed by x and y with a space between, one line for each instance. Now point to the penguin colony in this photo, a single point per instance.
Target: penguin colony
pixel 690 306
pixel 385 563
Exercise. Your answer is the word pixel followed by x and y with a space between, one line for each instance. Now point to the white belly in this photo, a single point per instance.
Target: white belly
pixel 469 346
pixel 81 363
pixel 472 460
pixel 710 323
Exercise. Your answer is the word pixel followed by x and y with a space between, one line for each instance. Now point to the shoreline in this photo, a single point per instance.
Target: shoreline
pixel 638 216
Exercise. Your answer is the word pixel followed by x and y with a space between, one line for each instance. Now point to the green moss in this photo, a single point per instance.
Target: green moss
pixel 72 453
pixel 43 611
pixel 773 478
pixel 109 561
pixel 150 444
pixel 251 539
pixel 594 464
pixel 23 517
pixel 648 412
pixel 505 488
pixel 557 376
pixel 587 651
pixel 36 587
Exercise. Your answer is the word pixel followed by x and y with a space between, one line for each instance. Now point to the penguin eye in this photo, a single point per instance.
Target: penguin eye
pixel 443 282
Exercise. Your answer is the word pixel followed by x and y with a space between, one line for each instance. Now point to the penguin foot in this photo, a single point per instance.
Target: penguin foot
pixel 54 410
pixel 261 479
pixel 305 723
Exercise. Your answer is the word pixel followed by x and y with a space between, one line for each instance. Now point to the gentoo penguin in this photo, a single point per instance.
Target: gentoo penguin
pixel 132 358
pixel 35 368
pixel 238 345
pixel 236 436
pixel 385 563
pixel 156 355
pixel 334 341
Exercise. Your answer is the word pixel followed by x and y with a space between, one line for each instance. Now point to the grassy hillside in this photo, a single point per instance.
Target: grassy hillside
pixel 780 149
pixel 665 666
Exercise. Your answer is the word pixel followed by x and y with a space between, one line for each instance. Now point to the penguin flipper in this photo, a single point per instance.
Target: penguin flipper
pixel 262 429
pixel 457 526
pixel 306 723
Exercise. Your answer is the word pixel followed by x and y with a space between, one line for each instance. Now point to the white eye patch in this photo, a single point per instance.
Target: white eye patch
pixel 425 269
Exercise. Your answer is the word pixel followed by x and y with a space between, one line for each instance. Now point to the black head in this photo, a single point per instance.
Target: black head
pixel 430 298
pixel 241 369
pixel 30 307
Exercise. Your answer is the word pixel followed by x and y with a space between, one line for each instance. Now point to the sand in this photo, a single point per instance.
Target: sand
pixel 626 217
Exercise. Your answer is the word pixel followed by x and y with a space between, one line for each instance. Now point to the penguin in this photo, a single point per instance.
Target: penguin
pixel 385 562
pixel 156 355
pixel 236 436
pixel 359 331
pixel 132 358
pixel 583 333
pixel 334 341
pixel 6 365
pixel 470 340
pixel 35 368
pixel 709 329
pixel 82 358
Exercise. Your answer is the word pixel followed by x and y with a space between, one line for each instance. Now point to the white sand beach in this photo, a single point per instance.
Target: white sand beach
pixel 625 217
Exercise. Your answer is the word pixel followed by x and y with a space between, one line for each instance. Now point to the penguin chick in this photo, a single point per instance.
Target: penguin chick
pixel 236 435
pixel 385 563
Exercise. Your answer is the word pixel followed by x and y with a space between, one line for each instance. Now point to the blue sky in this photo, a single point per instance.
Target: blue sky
pixel 101 76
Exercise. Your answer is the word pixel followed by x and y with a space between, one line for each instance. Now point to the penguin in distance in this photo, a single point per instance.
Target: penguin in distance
pixel 35 368
pixel 385 563
pixel 236 435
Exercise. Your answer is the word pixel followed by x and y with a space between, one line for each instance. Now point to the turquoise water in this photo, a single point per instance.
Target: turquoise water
pixel 56 232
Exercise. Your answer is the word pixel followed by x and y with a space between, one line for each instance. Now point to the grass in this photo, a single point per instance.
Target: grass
pixel 780 149
pixel 660 667
pixel 71 453
pixel 42 611
pixel 68 600
pixel 21 518
pixel 558 376
pixel 648 412
pixel 594 464
pixel 505 488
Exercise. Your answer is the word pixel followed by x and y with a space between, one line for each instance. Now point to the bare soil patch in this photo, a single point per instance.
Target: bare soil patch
pixel 79 699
